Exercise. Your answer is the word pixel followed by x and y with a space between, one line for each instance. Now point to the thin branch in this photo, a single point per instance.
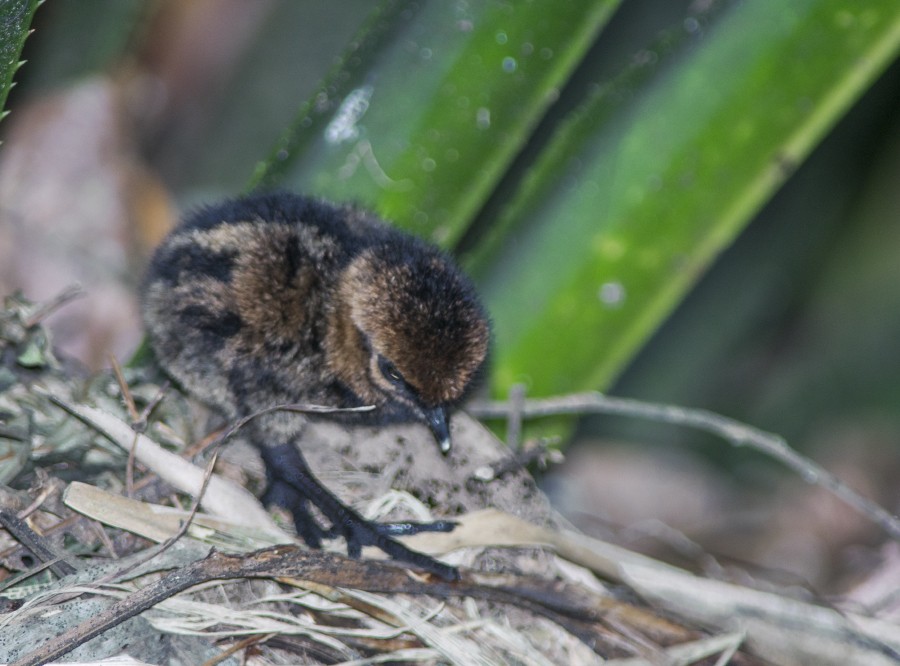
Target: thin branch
pixel 134 416
pixel 59 562
pixel 735 432
pixel 237 647
pixel 182 529
pixel 580 612
pixel 47 308
pixel 514 417
pixel 124 388
pixel 540 452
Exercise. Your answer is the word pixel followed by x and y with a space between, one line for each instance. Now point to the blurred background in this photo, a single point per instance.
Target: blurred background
pixel 725 178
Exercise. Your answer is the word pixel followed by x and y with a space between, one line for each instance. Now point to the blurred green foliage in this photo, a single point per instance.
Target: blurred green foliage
pixel 590 161
pixel 433 105
pixel 642 183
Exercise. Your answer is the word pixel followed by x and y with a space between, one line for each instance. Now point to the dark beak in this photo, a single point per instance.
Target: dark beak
pixel 436 418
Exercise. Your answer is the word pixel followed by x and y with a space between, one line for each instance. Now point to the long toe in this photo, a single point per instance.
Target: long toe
pixel 410 527
pixel 370 533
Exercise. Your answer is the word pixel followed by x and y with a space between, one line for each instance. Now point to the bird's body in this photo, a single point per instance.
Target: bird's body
pixel 280 299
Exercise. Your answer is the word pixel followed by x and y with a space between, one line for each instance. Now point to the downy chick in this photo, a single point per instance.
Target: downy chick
pixel 276 299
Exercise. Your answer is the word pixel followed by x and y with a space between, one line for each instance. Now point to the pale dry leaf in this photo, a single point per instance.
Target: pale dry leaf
pixel 782 630
pixel 222 497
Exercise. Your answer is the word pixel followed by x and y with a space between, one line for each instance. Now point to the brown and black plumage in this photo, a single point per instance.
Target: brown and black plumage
pixel 276 299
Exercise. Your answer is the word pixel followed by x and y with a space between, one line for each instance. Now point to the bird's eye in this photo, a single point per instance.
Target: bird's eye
pixel 390 372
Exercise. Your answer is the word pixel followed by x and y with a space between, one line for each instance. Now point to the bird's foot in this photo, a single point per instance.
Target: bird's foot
pixel 359 532
pixel 279 493
pixel 293 486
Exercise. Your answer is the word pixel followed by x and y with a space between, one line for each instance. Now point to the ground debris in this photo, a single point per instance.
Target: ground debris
pixel 82 561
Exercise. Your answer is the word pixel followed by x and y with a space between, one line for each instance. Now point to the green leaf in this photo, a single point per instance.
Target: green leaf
pixel 15 20
pixel 432 104
pixel 626 200
pixel 642 188
pixel 32 356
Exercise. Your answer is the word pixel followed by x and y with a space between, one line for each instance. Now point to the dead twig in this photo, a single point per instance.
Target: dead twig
pixel 59 562
pixel 540 452
pixel 237 647
pixel 182 529
pixel 575 609
pixel 139 420
pixel 514 417
pixel 47 308
pixel 134 416
pixel 126 392
pixel 735 432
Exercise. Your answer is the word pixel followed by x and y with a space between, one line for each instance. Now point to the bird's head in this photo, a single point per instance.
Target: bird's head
pixel 413 332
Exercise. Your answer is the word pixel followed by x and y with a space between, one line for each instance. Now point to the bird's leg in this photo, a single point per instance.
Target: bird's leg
pixel 287 497
pixel 282 494
pixel 292 484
